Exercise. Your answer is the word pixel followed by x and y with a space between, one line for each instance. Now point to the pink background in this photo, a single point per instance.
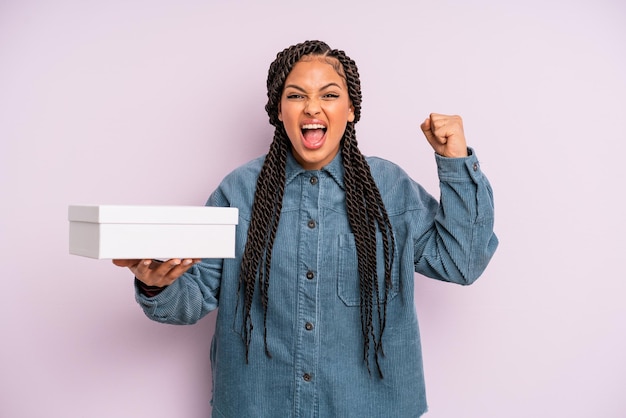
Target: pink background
pixel 153 102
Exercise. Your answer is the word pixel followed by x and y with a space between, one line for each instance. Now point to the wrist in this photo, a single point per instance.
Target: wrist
pixel 148 290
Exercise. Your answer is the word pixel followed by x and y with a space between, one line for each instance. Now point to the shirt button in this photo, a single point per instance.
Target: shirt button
pixel 313 180
pixel 310 275
pixel 307 377
pixel 475 166
pixel 311 224
pixel 308 326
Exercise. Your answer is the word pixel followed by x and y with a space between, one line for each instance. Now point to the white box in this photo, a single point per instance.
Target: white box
pixel 156 232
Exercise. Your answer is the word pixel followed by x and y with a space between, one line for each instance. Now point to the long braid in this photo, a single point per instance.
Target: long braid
pixel 365 208
pixel 257 256
pixel 366 211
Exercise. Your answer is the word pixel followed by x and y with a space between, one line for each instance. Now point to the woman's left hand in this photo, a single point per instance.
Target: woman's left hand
pixel 445 134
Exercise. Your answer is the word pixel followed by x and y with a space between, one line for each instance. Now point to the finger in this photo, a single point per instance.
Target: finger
pixel 440 127
pixel 178 270
pixel 154 264
pixel 125 263
pixel 437 126
pixel 142 268
pixel 446 125
pixel 162 273
pixel 152 272
pixel 161 268
pixel 426 127
pixel 169 271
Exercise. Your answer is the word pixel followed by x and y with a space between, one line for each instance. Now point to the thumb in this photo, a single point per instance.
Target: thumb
pixel 427 129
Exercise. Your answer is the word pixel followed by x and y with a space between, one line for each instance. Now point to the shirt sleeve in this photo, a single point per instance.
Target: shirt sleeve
pixel 459 242
pixel 188 299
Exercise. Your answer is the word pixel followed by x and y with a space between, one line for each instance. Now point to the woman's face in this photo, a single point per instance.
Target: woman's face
pixel 315 108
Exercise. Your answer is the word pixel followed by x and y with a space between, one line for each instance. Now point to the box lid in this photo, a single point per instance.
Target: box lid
pixel 145 214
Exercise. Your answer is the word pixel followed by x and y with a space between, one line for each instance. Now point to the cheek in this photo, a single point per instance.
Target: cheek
pixel 288 113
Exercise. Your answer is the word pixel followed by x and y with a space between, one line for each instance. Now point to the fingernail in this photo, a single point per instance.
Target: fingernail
pixel 146 262
pixel 186 262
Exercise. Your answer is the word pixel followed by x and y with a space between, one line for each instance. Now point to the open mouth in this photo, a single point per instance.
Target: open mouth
pixel 313 135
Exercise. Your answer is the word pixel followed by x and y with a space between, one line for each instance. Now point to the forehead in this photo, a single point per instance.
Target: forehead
pixel 316 70
pixel 332 61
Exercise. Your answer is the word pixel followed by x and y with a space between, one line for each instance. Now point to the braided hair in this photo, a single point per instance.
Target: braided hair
pixel 365 208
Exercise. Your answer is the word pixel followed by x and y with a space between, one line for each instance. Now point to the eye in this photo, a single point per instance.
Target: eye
pixel 294 96
pixel 331 96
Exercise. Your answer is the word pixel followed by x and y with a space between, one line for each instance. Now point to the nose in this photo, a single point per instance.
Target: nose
pixel 312 107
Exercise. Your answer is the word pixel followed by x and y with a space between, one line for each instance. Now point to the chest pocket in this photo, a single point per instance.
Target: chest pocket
pixel 348 288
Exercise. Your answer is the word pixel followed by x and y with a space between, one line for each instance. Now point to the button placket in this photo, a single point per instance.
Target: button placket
pixel 307 343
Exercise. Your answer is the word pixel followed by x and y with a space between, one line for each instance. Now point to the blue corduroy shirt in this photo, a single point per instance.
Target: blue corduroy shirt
pixel 314 333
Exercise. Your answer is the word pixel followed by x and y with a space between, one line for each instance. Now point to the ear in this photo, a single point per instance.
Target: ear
pixel 280 113
pixel 351 114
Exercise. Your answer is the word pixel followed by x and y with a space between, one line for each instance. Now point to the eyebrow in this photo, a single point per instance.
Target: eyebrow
pixel 293 86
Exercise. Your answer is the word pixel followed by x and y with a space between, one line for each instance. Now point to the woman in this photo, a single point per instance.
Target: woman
pixel 316 311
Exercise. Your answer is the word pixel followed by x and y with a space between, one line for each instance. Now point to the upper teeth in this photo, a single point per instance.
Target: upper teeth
pixel 313 126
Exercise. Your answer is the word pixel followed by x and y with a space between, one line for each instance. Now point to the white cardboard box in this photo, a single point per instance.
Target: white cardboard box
pixel 157 232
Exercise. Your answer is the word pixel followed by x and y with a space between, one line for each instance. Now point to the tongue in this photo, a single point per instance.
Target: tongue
pixel 313 137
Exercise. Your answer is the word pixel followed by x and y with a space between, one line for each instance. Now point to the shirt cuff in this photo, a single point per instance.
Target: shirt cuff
pixel 459 169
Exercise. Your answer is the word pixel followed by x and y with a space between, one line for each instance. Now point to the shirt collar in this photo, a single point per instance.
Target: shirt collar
pixel 334 169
